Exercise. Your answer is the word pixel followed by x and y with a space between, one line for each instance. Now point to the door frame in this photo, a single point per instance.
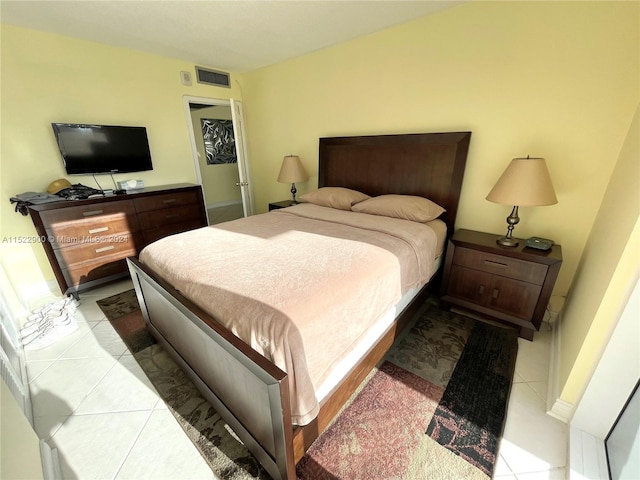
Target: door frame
pixel 241 150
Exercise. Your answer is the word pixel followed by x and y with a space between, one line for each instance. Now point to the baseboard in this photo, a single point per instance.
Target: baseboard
pixel 50 462
pixel 556 407
pixel 561 410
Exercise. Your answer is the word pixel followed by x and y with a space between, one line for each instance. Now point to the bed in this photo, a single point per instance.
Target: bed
pixel 262 393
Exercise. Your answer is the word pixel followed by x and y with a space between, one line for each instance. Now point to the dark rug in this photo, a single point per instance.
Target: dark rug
pixel 434 408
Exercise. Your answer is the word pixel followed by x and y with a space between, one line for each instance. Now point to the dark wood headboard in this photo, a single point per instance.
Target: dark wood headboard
pixel 430 165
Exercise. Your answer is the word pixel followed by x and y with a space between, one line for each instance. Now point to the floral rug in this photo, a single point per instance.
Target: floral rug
pixel 433 408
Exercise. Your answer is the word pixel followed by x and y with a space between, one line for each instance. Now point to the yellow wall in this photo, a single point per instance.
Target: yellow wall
pixel 552 79
pixel 609 264
pixel 20 452
pixel 50 78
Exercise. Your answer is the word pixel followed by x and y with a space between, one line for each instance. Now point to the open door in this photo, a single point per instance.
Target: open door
pixel 225 178
pixel 241 149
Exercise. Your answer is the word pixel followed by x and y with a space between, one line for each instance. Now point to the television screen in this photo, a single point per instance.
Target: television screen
pixel 89 149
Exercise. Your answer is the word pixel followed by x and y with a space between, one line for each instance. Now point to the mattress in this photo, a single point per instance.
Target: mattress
pixel 304 286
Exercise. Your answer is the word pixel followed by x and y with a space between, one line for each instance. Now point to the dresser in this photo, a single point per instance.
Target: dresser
pixel 510 284
pixel 87 241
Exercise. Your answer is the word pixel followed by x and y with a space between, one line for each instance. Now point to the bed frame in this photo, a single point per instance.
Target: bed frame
pixel 249 392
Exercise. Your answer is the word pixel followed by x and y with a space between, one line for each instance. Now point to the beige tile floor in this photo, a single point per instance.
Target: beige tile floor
pixel 534 445
pixel 92 401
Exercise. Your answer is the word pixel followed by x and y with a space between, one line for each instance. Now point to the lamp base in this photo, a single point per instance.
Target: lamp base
pixel 507 242
pixel 512 221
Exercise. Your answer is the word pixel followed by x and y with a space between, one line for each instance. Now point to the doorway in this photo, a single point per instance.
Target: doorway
pixel 218 146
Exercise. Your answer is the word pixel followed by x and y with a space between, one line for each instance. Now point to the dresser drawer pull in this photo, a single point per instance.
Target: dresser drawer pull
pixel 481 290
pixel 98 230
pixel 92 213
pixel 495 293
pixel 171 216
pixel 491 263
pixel 170 200
pixel 105 249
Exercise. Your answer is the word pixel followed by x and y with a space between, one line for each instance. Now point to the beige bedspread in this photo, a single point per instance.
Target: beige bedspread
pixel 300 285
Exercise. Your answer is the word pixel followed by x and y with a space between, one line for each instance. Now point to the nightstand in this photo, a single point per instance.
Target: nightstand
pixel 510 284
pixel 282 204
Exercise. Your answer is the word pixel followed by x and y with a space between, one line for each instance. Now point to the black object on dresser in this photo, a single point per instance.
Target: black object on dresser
pixel 511 284
pixel 87 241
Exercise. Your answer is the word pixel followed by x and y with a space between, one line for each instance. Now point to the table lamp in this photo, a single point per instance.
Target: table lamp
pixel 291 172
pixel 525 183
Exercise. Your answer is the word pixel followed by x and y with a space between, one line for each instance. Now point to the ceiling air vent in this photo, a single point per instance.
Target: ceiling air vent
pixel 213 77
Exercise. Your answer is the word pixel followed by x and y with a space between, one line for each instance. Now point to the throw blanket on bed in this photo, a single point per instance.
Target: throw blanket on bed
pixel 299 285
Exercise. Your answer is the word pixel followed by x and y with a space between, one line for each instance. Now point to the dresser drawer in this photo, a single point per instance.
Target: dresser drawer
pixel 52 218
pixel 89 272
pixel 117 246
pixel 500 265
pixel 71 233
pixel 157 202
pixel 153 234
pixel 168 216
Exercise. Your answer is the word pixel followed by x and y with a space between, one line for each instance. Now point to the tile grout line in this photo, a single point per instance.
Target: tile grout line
pixel 133 443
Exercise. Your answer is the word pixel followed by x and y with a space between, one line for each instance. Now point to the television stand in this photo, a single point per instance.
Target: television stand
pixel 87 241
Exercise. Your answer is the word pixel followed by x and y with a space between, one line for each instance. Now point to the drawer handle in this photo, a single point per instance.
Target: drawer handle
pixel 105 249
pixel 175 215
pixel 98 230
pixel 481 290
pixel 495 264
pixel 92 213
pixel 495 293
pixel 170 200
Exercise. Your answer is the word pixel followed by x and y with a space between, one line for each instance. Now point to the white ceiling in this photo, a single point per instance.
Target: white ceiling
pixel 232 35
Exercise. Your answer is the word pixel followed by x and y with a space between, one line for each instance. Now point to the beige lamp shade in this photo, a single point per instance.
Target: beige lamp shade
pixel 526 182
pixel 292 170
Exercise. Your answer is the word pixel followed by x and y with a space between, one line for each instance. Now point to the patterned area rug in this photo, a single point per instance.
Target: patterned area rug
pixel 434 408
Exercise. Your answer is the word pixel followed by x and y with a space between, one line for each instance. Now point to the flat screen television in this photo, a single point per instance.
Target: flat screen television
pixel 91 149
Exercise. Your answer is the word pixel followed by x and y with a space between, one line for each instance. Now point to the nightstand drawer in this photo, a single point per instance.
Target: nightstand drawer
pixel 505 295
pixel 500 265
